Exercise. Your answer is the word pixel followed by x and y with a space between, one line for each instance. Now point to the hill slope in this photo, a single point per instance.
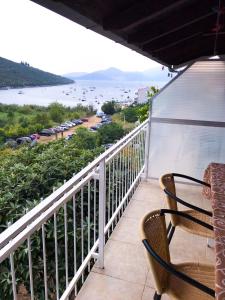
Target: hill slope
pixel 113 74
pixel 20 75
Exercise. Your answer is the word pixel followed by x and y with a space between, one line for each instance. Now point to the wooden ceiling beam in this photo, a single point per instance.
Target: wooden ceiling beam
pixel 141 12
pixel 177 37
pixel 179 21
pixel 188 51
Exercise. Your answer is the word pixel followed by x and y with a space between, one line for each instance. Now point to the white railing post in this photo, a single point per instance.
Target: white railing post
pixel 102 198
pixel 147 147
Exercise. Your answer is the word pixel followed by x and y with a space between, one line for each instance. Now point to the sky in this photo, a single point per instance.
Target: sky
pixel 55 44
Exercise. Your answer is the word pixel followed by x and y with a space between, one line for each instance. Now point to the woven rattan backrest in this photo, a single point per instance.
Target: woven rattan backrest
pixel 153 229
pixel 167 183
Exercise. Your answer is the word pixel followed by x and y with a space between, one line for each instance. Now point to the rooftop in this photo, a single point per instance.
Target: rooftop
pixel 170 32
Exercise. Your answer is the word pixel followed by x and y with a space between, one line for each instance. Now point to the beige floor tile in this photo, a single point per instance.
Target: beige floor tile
pixel 100 287
pixel 137 209
pixel 150 281
pixel 126 269
pixel 149 293
pixel 124 261
pixel 127 230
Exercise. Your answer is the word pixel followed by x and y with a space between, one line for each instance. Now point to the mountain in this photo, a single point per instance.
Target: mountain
pixel 75 75
pixel 113 74
pixel 21 75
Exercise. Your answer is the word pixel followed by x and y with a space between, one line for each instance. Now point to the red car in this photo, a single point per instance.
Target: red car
pixel 35 136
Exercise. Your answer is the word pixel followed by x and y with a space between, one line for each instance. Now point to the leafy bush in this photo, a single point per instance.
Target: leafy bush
pixel 110 107
pixel 130 114
pixel 110 133
pixel 26 175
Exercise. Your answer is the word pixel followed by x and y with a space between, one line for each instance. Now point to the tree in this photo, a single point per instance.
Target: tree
pixel 85 139
pixel 110 107
pixel 56 111
pixel 130 114
pixel 143 111
pixel 110 133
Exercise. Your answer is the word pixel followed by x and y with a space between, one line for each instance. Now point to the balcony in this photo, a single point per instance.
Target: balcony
pixel 82 241
pixel 125 275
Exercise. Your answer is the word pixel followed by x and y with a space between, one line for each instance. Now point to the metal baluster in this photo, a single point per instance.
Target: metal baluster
pixel 122 176
pixel 66 244
pixel 82 229
pixel 30 269
pixel 74 239
pixel 89 228
pixel 116 185
pixel 102 196
pixel 44 260
pixel 94 210
pixel 109 192
pixel 56 258
pixel 113 191
pixel 125 171
pixel 12 267
pixel 120 182
pixel 13 276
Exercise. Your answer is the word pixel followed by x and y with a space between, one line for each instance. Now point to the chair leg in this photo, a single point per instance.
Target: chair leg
pixel 170 235
pixel 157 297
pixel 169 227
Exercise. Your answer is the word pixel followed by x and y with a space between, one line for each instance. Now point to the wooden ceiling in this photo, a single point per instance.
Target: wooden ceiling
pixel 172 32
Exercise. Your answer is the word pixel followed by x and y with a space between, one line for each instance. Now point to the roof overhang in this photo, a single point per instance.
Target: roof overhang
pixel 171 32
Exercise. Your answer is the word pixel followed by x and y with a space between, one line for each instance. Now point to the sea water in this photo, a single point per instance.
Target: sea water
pixel 81 92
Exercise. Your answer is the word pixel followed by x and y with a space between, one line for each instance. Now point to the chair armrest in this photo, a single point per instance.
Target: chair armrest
pixel 184 215
pixel 179 200
pixel 177 273
pixel 191 178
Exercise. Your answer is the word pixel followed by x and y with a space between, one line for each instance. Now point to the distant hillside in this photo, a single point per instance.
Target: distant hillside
pixel 75 75
pixel 21 75
pixel 113 74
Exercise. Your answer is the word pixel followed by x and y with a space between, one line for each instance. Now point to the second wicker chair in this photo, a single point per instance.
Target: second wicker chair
pixel 167 183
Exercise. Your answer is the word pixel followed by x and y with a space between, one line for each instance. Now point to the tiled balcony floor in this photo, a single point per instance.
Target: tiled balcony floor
pixel 126 275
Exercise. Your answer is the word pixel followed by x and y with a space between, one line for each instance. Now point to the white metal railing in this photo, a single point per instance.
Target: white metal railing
pixel 49 252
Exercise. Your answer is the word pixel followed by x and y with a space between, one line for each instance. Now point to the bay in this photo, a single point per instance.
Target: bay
pixel 81 92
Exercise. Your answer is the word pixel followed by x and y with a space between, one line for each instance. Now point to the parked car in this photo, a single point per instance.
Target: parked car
pixel 96 127
pixel 46 132
pixel 60 128
pixel 65 125
pixel 11 143
pixel 35 136
pixel 77 121
pixel 69 124
pixel 100 114
pixel 23 140
pixel 69 136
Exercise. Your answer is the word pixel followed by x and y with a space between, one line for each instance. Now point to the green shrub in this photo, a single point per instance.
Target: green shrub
pixel 110 133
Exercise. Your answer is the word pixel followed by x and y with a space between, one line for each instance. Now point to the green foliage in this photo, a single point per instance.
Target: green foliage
pixel 110 107
pixel 86 139
pixel 130 114
pixel 26 175
pixel 16 121
pixel 56 111
pixel 19 75
pixel 110 133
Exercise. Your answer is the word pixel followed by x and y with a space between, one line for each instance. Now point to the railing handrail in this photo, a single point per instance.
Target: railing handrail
pixel 20 224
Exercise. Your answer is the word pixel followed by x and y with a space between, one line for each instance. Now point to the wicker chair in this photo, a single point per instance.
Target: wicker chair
pixel 186 281
pixel 167 183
